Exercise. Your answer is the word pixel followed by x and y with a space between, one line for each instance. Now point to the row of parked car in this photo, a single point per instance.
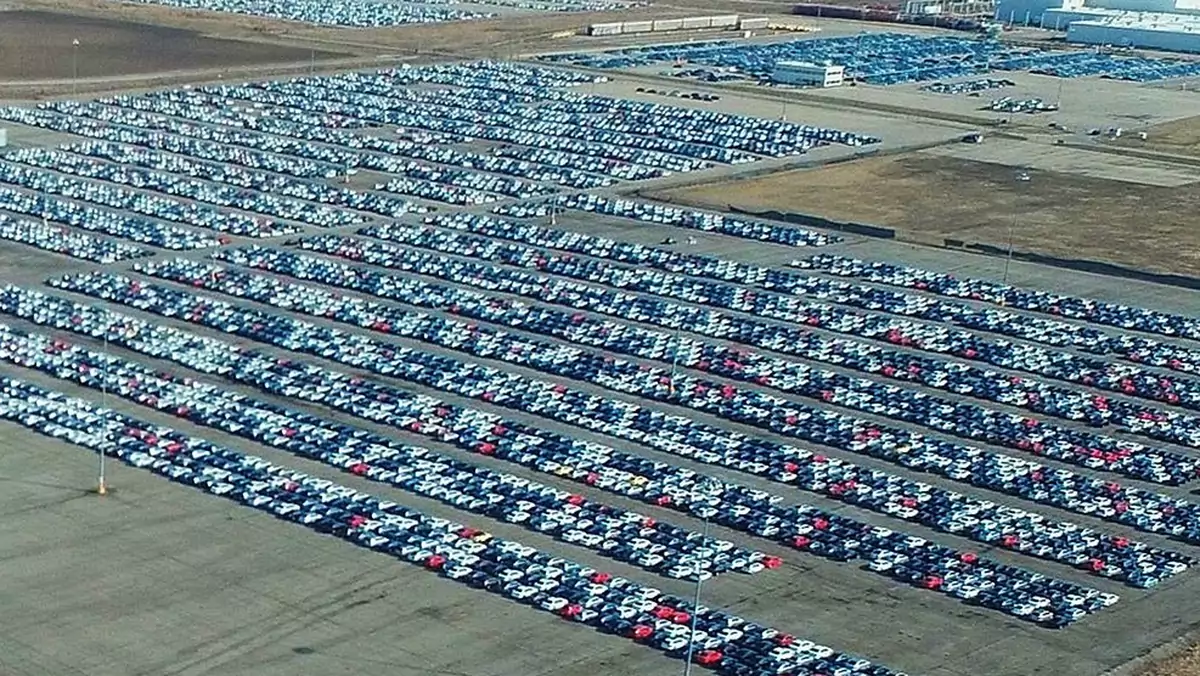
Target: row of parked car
pixel 620 534
pixel 821 302
pixel 946 415
pixel 52 209
pixel 969 87
pixel 876 58
pixel 722 641
pixel 572 127
pixel 449 194
pixel 1041 353
pixel 964 575
pixel 724 400
pixel 670 135
pixel 309 141
pixel 901 363
pixel 630 157
pixel 348 13
pixel 202 193
pixel 568 152
pixel 674 434
pixel 1125 379
pixel 758 136
pixel 674 216
pixel 1091 63
pixel 962 463
pixel 482 114
pixel 330 201
pixel 1090 310
pixel 886 58
pixel 199 141
pixel 1012 104
pixel 156 206
pixel 60 240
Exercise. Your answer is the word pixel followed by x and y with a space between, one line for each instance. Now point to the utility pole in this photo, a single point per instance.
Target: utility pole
pixel 1022 177
pixel 675 358
pixel 102 485
pixel 691 241
pixel 691 648
pixel 75 67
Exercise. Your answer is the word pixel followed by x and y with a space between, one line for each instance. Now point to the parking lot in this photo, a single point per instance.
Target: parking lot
pixel 407 310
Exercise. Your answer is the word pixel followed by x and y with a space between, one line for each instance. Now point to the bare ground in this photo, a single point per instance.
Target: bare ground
pixel 932 198
pixel 1179 137
pixel 38 45
pixel 1186 663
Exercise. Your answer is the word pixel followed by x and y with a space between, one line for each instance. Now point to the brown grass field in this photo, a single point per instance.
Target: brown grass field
pixel 1179 137
pixel 37 45
pixel 930 198
pixel 1185 663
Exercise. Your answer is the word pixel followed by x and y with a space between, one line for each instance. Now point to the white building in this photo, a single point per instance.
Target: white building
pixel 1168 32
pixel 924 7
pixel 807 74
pixel 1060 19
pixel 984 8
pixel 1029 12
pixel 1059 14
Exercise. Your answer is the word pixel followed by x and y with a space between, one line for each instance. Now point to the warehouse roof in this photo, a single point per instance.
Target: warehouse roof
pixel 1172 23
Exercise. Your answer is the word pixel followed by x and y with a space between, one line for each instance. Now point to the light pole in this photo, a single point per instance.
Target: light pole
pixel 1022 177
pixel 75 67
pixel 102 485
pixel 691 241
pixel 675 356
pixel 691 648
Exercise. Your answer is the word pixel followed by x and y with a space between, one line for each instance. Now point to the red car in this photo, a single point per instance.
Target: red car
pixel 708 657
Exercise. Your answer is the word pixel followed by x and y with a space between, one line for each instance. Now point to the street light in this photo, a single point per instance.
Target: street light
pixel 691 241
pixel 691 648
pixel 75 67
pixel 554 212
pixel 675 357
pixel 101 484
pixel 1021 177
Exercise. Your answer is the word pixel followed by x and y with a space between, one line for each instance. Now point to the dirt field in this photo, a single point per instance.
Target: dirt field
pixel 1181 137
pixel 1066 215
pixel 1186 663
pixel 497 37
pixel 37 45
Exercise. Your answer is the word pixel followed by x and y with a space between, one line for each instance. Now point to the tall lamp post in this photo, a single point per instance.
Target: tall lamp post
pixel 75 67
pixel 1022 177
pixel 675 340
pixel 101 484
pixel 675 358
pixel 691 647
